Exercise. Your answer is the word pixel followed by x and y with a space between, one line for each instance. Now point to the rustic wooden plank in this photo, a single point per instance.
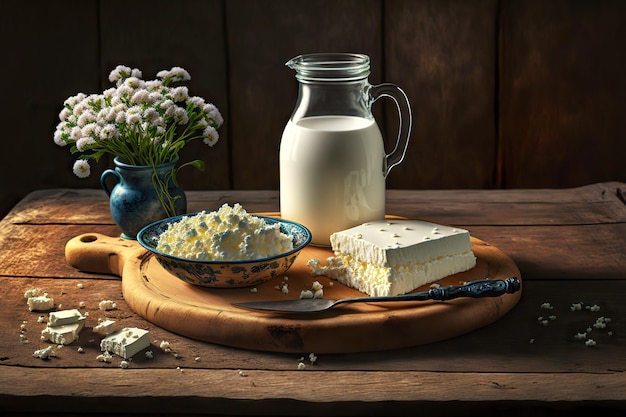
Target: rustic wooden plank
pixel 50 53
pixel 562 88
pixel 517 342
pixel 596 203
pixel 413 393
pixel 443 54
pixel 190 35
pixel 262 36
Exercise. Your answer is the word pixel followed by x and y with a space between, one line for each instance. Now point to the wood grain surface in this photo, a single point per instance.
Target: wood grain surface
pixel 567 243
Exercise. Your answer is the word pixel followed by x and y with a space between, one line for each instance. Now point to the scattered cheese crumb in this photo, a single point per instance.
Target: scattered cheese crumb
pixel 80 350
pixel 107 305
pixel 44 353
pixel 306 294
pixel 312 358
pixel 594 307
pixel 301 366
pixel 149 354
pixel 576 307
pixel 590 342
pixel 33 292
pixel 41 303
pixel 105 357
pixel 124 364
pixel 242 373
pixel 80 285
pixel 580 336
pixel 531 341
pixel 82 304
pixel 197 359
pixel 165 345
pixel 285 289
pixel 253 289
pixel 435 285
pixel 547 306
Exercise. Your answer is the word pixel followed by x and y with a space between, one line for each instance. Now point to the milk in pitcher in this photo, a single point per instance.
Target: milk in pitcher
pixel 332 173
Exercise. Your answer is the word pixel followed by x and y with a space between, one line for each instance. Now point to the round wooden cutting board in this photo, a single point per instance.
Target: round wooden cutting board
pixel 207 314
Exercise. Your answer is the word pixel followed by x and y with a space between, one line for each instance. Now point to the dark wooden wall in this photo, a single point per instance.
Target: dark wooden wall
pixel 506 94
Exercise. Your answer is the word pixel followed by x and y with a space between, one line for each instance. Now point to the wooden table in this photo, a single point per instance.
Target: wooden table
pixel 570 246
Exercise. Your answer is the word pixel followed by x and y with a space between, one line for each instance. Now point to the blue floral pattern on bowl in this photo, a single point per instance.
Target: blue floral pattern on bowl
pixel 226 274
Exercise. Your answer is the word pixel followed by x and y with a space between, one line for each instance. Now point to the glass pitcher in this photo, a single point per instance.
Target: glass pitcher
pixel 333 163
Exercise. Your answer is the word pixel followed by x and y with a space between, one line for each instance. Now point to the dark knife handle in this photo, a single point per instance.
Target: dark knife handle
pixel 476 289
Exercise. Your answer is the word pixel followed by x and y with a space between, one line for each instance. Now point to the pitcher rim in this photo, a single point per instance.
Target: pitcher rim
pixel 330 66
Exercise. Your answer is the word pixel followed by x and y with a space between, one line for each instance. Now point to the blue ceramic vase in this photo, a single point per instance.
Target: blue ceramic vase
pixel 133 198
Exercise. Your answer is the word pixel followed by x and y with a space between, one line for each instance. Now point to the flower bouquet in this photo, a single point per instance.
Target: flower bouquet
pixel 142 123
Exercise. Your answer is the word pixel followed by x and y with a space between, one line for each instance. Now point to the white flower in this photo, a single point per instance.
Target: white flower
pixel 58 138
pixel 133 82
pixel 140 96
pixel 196 101
pixel 179 94
pixel 76 133
pixel 213 113
pixel 175 74
pixel 83 143
pixel 64 114
pixel 109 132
pixel 81 168
pixel 210 136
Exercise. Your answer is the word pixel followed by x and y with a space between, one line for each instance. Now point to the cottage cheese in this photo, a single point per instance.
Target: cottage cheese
pixel 229 233
pixel 382 258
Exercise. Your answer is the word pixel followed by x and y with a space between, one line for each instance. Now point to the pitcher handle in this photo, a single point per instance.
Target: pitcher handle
pixel 103 180
pixel 406 121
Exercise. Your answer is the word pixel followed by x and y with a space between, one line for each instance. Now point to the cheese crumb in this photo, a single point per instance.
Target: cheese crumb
pixel 149 354
pixel 104 357
pixel 576 307
pixel 124 364
pixel 33 292
pixel 590 342
pixel 301 366
pixel 44 353
pixel 547 306
pixel 312 358
pixel 40 303
pixel 165 345
pixel 107 305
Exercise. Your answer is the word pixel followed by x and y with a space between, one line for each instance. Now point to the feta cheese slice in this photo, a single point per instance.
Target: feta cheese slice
pixel 65 334
pixel 105 327
pixel 126 342
pixel 63 317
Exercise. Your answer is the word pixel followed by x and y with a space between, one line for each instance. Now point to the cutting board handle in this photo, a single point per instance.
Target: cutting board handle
pixel 94 252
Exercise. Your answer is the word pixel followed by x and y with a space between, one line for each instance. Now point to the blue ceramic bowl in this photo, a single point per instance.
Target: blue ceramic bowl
pixel 226 274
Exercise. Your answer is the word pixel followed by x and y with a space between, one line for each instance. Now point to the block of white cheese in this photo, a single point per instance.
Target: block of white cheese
pixel 40 303
pixel 126 342
pixel 60 318
pixel 392 257
pixel 65 334
pixel 105 327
